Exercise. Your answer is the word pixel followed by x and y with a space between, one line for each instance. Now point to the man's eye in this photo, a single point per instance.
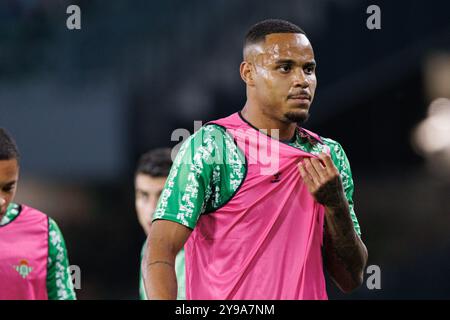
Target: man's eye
pixel 142 196
pixel 309 70
pixel 285 68
pixel 8 189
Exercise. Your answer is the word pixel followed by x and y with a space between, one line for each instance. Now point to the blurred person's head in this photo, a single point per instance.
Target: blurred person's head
pixel 279 70
pixel 151 174
pixel 9 170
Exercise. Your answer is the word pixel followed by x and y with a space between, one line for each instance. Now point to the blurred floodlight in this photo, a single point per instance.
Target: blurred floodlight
pixel 433 134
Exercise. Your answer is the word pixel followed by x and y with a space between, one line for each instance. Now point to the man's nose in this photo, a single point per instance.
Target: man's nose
pixel 2 201
pixel 300 79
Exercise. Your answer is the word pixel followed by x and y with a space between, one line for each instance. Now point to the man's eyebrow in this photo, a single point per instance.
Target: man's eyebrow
pixel 8 184
pixel 286 61
pixel 311 63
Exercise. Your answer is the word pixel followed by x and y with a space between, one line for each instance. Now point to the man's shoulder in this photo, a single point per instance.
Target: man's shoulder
pixel 52 224
pixel 210 136
pixel 337 153
pixel 208 146
pixel 333 144
pixel 30 211
pixel 336 150
pixel 208 130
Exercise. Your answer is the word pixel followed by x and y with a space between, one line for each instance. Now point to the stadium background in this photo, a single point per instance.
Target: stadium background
pixel 84 104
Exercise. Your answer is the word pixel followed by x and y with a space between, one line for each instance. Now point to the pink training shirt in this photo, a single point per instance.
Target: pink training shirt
pixel 265 243
pixel 23 256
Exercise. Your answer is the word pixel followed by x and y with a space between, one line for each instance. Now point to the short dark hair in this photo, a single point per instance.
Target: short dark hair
pixel 155 163
pixel 8 147
pixel 259 31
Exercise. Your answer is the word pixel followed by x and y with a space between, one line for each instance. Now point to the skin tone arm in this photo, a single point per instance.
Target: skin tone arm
pixel 165 240
pixel 345 255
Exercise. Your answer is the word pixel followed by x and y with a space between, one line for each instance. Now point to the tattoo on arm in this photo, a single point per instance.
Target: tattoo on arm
pixel 160 262
pixel 341 256
pixel 345 255
pixel 327 194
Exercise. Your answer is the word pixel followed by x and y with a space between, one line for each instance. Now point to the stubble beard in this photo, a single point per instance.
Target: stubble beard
pixel 297 117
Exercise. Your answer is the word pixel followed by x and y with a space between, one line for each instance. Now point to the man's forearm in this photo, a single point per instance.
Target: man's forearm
pixel 345 254
pixel 159 274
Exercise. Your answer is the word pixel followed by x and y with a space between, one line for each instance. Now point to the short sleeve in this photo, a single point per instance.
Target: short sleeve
pixel 59 280
pixel 188 187
pixel 341 162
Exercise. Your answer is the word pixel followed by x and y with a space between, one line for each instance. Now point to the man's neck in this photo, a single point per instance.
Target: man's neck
pixel 285 131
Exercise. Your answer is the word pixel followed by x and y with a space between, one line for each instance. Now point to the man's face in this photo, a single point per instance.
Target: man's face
pixel 148 190
pixel 9 175
pixel 284 76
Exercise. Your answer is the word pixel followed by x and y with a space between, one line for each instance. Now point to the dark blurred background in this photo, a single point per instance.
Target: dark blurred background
pixel 84 104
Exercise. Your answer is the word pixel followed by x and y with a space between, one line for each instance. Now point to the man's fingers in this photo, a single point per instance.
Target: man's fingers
pixel 329 165
pixel 305 175
pixel 309 168
pixel 320 169
pixel 326 158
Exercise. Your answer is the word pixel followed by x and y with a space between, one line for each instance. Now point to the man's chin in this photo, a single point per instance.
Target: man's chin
pixel 298 116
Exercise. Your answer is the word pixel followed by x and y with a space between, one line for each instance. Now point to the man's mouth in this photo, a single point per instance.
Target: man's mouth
pixel 301 99
pixel 303 96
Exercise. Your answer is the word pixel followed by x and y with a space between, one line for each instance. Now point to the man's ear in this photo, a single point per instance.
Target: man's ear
pixel 246 69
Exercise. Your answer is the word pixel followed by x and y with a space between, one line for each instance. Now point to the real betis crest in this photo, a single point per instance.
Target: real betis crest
pixel 23 268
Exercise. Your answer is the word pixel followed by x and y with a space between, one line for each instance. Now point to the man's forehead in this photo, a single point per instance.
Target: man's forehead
pixel 283 45
pixel 148 182
pixel 286 40
pixel 8 168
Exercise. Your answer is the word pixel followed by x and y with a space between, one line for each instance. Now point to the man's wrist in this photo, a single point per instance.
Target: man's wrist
pixel 338 207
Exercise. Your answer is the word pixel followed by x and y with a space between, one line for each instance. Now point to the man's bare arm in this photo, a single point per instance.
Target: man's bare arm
pixel 165 240
pixel 345 255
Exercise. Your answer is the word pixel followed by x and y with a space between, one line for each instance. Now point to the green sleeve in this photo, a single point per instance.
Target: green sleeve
pixel 341 161
pixel 205 174
pixel 59 281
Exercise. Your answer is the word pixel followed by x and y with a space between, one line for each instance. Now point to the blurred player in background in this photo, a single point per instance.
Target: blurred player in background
pixel 33 255
pixel 151 174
